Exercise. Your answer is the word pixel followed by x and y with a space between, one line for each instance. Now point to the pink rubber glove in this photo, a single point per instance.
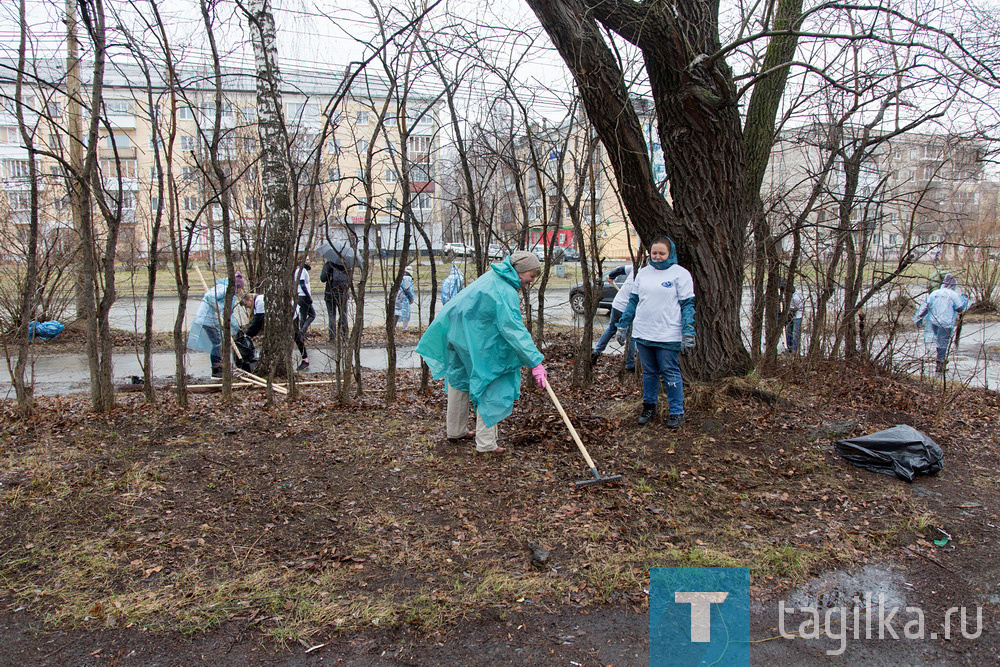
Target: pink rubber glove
pixel 541 377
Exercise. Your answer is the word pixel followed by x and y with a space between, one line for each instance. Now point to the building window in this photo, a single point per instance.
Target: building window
pixel 53 110
pixel 337 203
pixel 250 144
pixel 362 118
pixel 118 107
pixel 423 201
pixel 185 113
pixel 391 204
pixel 15 168
pixel 362 174
pixel 110 168
pixel 154 204
pixel 19 201
pixel 190 203
pixel 127 201
pixel 250 114
pixel 250 203
pixel 362 203
pixel 188 173
pixel 118 140
pixel 333 147
pixel 333 173
pixel 187 142
pixel 390 176
pixel 362 146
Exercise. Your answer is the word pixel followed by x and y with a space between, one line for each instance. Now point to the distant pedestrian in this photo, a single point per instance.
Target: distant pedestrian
pixel 307 313
pixel 338 288
pixel 453 283
pixel 939 315
pixel 617 308
pixel 793 318
pixel 404 297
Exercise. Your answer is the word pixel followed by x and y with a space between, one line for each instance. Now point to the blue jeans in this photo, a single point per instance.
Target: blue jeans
pixel 609 333
pixel 216 354
pixel 793 334
pixel 657 363
pixel 942 340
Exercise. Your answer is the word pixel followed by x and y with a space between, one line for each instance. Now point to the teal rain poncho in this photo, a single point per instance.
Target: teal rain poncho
pixel 478 343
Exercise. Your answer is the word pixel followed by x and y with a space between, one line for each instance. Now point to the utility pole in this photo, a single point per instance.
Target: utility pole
pixel 74 142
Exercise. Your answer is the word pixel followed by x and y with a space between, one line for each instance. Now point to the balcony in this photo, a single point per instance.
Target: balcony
pixel 13 152
pixel 122 121
pixel 127 184
pixel 20 183
pixel 419 187
pixel 123 153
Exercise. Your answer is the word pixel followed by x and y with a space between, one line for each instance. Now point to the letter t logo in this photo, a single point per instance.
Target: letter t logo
pixel 701 612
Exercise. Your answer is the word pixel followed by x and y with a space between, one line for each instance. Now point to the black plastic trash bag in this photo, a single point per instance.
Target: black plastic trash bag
pixel 902 451
pixel 246 358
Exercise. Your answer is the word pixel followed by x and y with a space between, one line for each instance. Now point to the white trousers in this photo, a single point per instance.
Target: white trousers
pixel 458 421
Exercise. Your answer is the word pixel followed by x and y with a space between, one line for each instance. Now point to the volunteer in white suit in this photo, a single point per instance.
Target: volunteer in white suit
pixel 661 312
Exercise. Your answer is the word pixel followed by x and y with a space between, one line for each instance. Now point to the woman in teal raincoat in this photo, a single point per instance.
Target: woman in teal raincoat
pixel 478 344
pixel 205 334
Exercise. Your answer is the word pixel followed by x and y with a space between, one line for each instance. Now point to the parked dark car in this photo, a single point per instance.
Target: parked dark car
pixel 570 254
pixel 577 297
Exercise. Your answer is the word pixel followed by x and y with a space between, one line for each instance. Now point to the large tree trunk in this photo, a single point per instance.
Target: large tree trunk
pixel 699 129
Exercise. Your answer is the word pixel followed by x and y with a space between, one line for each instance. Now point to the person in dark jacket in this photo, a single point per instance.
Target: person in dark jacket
pixel 255 304
pixel 338 285
pixel 307 313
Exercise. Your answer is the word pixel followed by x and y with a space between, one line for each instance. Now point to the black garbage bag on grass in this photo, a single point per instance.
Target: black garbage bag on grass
pixel 902 451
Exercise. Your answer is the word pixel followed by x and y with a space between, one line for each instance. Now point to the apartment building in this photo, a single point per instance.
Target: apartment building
pixel 349 161
pixel 916 192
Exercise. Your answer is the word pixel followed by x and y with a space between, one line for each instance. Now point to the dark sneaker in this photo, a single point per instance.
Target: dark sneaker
pixel 216 371
pixel 304 366
pixel 674 421
pixel 594 357
pixel 648 412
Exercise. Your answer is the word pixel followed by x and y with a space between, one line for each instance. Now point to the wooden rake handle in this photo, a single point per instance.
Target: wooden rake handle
pixel 569 425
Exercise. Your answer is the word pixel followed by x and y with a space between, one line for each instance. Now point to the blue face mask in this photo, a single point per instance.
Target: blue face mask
pixel 665 264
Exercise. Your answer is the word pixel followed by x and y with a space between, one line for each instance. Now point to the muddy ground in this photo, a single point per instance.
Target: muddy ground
pixel 251 534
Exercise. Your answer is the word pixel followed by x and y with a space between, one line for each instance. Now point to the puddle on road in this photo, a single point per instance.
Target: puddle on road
pixel 57 374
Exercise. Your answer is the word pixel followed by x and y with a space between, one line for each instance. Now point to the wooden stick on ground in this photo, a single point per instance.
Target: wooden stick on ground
pixel 262 383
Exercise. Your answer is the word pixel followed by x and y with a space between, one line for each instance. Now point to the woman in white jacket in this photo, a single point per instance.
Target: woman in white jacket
pixel 661 312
